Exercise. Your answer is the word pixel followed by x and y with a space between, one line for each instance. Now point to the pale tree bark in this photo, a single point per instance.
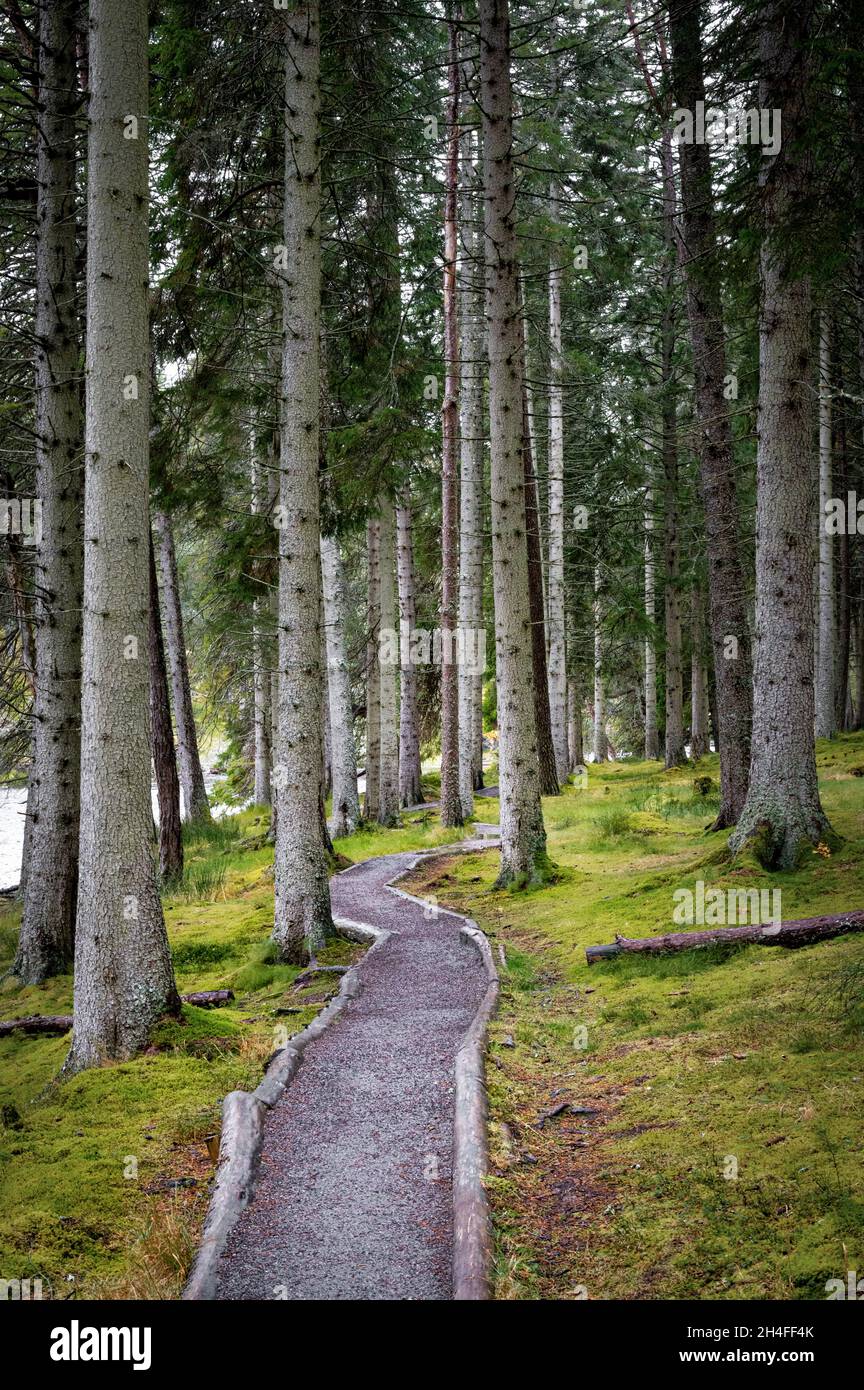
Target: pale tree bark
pixel 471 427
pixel 674 749
pixel 523 836
pixel 261 682
pixel 271 490
pixel 601 742
pixel 274 724
pixel 326 737
pixel 549 785
pixel 388 665
pixel 303 921
pixel 326 733
pixel 783 814
pixel 726 589
pixel 652 738
pixel 123 974
pixel 346 801
pixel 859 602
pixel 410 785
pixel 47 937
pixel 675 754
pixel 273 604
pixel 196 805
pixel 699 743
pixel 451 801
pixel 373 670
pixel 844 717
pixel 574 721
pixel 478 733
pixel 557 642
pixel 162 736
pixel 260 662
pixel 825 725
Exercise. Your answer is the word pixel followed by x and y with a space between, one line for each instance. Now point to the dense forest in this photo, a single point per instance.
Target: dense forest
pixel 431 442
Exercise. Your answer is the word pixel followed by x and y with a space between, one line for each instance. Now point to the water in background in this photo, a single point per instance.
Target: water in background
pixel 13 804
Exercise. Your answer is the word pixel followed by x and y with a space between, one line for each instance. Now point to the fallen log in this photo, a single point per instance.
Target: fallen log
pixel 804 932
pixel 209 998
pixel 36 1023
pixel 62 1023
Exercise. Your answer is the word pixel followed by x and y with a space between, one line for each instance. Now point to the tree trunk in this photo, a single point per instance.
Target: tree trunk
pixel 783 813
pixel 557 642
pixel 549 785
pixel 373 670
pixel 859 603
pixel 601 742
pixel 523 837
pixel 164 757
pixel 410 784
pixel 47 939
pixel 274 721
pixel 825 725
pixel 698 681
pixel 652 738
pixel 726 588
pixel 712 708
pixel 260 663
pixel 843 714
pixel 326 760
pixel 451 800
pixel 302 910
pixel 675 754
pixel 574 721
pixel 674 748
pixel 388 790
pixel 273 449
pixel 123 974
pixel 346 801
pixel 196 805
pixel 471 490
pixel 261 684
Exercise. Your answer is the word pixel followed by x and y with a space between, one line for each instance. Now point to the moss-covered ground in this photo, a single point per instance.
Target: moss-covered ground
pixel 710 1140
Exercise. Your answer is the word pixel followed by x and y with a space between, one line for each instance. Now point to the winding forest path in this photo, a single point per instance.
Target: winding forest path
pixel 353 1198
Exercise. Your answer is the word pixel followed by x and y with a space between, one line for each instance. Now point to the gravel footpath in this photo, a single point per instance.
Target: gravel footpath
pixel 353 1198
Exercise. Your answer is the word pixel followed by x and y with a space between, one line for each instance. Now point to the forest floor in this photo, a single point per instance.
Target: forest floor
pixel 674 1072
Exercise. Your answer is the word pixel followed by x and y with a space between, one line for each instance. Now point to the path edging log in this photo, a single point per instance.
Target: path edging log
pixel 472 1230
pixel 242 1133
pixel 806 931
